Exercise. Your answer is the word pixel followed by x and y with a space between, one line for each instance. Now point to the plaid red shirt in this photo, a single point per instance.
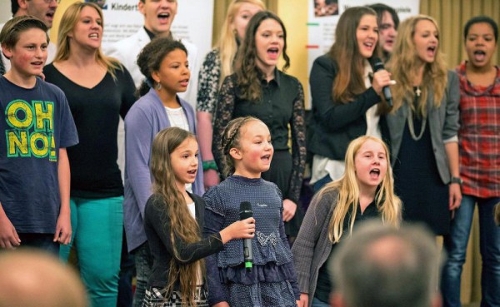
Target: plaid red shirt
pixel 479 136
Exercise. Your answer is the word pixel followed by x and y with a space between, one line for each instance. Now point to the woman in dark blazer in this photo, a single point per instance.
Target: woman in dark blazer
pixel 345 94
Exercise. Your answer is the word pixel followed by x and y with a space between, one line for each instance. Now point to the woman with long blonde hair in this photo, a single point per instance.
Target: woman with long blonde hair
pixel 218 64
pixel 423 125
pixel 365 191
pixel 99 91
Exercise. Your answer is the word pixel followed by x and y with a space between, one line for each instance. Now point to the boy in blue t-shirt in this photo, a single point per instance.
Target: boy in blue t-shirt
pixel 36 126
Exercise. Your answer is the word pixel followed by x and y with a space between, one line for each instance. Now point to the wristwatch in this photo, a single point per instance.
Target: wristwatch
pixel 456 180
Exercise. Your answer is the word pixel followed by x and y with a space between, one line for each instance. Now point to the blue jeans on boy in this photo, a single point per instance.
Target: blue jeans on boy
pixel 456 246
pixel 43 241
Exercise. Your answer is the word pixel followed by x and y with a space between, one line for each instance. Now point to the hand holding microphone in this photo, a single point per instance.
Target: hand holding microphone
pixel 244 229
pixel 381 80
pixel 245 213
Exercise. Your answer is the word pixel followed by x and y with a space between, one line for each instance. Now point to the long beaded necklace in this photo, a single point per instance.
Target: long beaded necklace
pixel 411 127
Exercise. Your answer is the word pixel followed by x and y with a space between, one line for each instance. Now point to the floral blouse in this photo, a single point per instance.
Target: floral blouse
pixel 208 82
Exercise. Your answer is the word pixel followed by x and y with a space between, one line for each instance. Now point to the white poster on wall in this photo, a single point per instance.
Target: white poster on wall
pixel 324 15
pixel 193 21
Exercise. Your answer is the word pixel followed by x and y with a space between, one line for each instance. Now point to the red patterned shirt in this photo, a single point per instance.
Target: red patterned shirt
pixel 479 136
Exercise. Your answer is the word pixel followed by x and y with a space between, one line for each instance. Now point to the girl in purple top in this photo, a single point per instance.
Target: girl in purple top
pixel 165 65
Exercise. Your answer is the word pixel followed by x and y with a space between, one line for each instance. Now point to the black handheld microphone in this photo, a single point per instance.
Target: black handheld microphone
pixel 377 65
pixel 246 212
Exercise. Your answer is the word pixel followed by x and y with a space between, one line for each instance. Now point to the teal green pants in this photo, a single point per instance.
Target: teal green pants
pixel 97 239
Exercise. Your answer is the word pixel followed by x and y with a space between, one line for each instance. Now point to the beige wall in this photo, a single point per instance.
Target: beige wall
pixel 57 18
pixel 295 20
pixel 5 13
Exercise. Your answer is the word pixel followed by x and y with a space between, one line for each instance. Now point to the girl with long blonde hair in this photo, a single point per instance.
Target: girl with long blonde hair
pixel 365 191
pixel 409 68
pixel 173 220
pixel 423 125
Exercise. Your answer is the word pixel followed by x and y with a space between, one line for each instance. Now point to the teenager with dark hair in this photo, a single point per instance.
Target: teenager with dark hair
pixel 479 147
pixel 388 23
pixel 259 89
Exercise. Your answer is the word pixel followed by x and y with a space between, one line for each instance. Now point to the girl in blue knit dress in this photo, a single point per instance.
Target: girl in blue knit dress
pixel 272 280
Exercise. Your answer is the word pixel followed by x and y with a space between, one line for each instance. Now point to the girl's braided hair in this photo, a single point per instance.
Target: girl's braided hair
pixel 231 139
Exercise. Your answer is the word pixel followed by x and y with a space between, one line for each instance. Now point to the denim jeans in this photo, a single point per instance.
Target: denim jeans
pixel 455 245
pixel 143 265
pixel 127 273
pixel 321 183
pixel 40 241
pixel 318 303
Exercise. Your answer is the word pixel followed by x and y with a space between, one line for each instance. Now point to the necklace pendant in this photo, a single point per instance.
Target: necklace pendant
pixel 411 127
pixel 418 91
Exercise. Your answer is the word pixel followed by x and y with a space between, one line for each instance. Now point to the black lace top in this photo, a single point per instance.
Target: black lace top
pixel 281 108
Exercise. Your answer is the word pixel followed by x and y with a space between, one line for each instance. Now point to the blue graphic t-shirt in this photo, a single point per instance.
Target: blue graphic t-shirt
pixel 34 124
